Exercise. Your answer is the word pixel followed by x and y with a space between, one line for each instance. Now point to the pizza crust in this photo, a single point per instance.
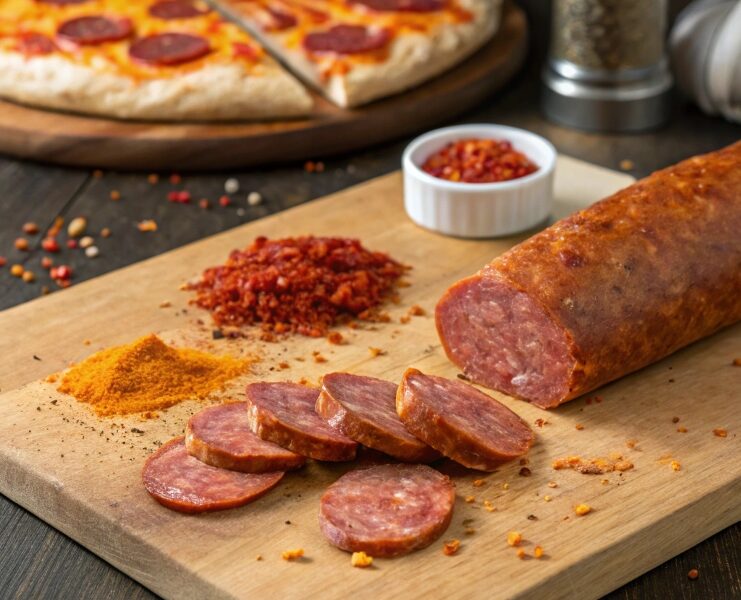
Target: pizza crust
pixel 214 92
pixel 413 58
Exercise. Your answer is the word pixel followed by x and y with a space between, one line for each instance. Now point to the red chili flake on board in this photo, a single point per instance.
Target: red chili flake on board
pixel 72 244
pixel 479 161
pixel 302 285
pixel 225 201
pixel 50 245
pixel 3 261
pixel 61 273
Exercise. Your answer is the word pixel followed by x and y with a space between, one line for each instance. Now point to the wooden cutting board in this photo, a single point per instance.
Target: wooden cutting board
pixel 81 474
pixel 76 140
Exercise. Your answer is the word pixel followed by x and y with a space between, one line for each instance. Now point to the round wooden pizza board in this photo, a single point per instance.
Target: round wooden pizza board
pixel 69 139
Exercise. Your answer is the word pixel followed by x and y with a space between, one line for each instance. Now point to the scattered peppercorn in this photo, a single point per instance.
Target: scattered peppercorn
pixel 153 178
pixel 204 204
pixel 175 179
pixel 77 227
pixel 538 552
pixel 30 228
pixel 72 244
pixel 28 277
pixel 97 173
pixel 514 538
pixel 17 270
pixel 719 432
pixel 3 261
pixel 105 232
pixel 21 244
pixel 115 195
pixel 693 574
pixel 147 225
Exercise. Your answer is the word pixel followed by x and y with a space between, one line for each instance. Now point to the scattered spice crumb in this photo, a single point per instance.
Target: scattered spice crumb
pixel 540 422
pixel 416 311
pixel 681 429
pixel 675 465
pixel 361 560
pixel 21 244
pixel 547 498
pixel 478 482
pixel 675 419
pixel 525 472
pixel 488 506
pixel 693 574
pixel 552 484
pixel 470 499
pixel 505 486
pixel 538 552
pixel 318 358
pixel 736 362
pixel 28 277
pixel 521 554
pixel 105 232
pixel 514 538
pixel 258 557
pixel 115 195
pixel 165 304
pixel 631 444
pixel 374 352
pixel 720 432
pixel 582 509
pixel 578 426
pixel 451 547
pixel 147 225
pixel 626 164
pixel 593 466
pixel 335 337
pixel 292 554
pixel 469 531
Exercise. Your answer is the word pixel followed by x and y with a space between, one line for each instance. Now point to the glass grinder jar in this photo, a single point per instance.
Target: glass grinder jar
pixel 607 68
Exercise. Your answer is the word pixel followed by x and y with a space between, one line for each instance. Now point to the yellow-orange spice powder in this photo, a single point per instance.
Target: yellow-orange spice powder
pixel 147 375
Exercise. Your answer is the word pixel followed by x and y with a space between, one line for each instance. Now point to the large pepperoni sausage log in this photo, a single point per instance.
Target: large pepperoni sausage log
pixel 364 409
pixel 387 510
pixel 607 291
pixel 460 421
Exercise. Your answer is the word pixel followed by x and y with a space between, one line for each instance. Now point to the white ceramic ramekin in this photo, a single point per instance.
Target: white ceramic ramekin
pixel 478 210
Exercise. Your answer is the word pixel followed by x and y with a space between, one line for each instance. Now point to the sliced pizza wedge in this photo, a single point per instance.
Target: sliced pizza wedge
pixel 355 51
pixel 158 59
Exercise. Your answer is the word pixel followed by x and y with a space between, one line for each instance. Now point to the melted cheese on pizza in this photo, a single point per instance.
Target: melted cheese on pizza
pixel 228 43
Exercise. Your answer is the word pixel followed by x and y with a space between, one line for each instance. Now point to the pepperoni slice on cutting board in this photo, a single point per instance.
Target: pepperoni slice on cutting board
pixel 283 413
pixel 183 483
pixel 94 30
pixel 35 44
pixel 220 436
pixel 168 49
pixel 364 409
pixel 347 39
pixel 402 5
pixel 460 421
pixel 175 9
pixel 387 510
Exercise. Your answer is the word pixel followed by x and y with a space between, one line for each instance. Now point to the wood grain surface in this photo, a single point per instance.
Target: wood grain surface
pixel 640 519
pixel 76 140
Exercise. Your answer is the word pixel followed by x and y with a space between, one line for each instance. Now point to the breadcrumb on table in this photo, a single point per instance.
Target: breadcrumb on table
pixel 451 547
pixel 292 554
pixel 582 509
pixel 514 538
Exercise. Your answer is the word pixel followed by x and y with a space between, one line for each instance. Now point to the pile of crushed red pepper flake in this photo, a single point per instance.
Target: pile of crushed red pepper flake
pixel 298 285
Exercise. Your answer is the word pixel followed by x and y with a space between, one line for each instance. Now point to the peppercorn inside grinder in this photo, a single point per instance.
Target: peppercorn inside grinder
pixel 607 68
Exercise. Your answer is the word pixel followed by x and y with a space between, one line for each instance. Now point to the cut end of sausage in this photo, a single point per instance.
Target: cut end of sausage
pixel 504 340
pixel 387 510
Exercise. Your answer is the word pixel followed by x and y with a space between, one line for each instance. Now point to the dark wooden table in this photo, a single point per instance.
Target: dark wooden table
pixel 37 561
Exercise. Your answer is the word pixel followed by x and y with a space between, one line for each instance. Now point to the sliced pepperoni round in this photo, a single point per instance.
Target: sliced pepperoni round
pixel 364 409
pixel 280 20
pixel 402 5
pixel 283 413
pixel 220 436
pixel 35 44
pixel 94 30
pixel 175 9
pixel 167 49
pixel 460 421
pixel 183 483
pixel 387 510
pixel 347 39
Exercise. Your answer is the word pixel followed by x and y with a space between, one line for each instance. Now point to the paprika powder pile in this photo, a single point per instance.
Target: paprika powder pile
pixel 147 375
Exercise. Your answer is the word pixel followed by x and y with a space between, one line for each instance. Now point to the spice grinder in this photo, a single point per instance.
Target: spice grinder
pixel 607 68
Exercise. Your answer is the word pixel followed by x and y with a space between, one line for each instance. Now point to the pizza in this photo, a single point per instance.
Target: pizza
pixel 355 51
pixel 132 59
pixel 229 59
